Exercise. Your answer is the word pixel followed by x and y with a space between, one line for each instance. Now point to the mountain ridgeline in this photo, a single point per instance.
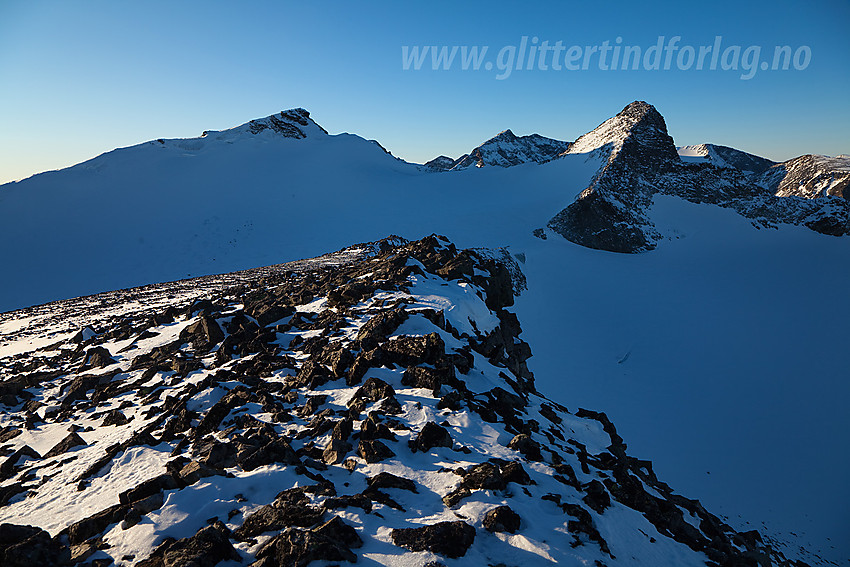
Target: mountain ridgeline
pixel 280 187
pixel 374 403
pixel 612 213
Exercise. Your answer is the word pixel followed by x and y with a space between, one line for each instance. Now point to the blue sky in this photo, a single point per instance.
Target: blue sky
pixel 81 78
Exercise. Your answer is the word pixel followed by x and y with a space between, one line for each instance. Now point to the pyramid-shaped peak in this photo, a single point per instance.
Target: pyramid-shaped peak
pixel 639 108
pixel 504 135
pixel 638 121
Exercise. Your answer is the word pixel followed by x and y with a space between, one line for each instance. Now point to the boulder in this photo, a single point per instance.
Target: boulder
pixel 451 539
pixel 210 546
pixel 502 519
pixel 68 443
pixel 373 451
pixel 432 435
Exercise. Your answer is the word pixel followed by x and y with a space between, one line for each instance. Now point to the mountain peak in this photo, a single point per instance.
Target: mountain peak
pixel 639 122
pixel 292 123
pixel 504 135
pixel 505 149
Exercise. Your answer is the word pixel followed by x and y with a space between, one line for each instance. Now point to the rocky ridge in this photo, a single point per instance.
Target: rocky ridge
pixel 613 212
pixel 724 156
pixel 375 403
pixel 809 177
pixel 504 150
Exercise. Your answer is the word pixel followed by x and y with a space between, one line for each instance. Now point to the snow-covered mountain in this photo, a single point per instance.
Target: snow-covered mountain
pixel 809 177
pixel 374 404
pixel 701 351
pixel 235 199
pixel 612 213
pixel 504 150
pixel 724 156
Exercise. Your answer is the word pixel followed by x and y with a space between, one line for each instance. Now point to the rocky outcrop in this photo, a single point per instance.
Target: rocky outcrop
pixel 809 177
pixel 451 539
pixel 328 411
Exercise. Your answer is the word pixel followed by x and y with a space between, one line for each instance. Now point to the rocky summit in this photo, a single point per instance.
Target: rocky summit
pixel 370 406
pixel 640 162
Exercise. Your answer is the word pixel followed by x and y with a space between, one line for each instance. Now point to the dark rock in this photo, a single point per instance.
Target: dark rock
pixel 432 435
pixel 451 539
pixel 267 312
pixel 382 498
pixel 373 451
pixel 335 452
pixel 361 501
pixel 453 498
pixel 430 378
pixel 583 524
pixel 373 390
pixel 371 428
pixel 115 417
pixel 10 491
pixel 486 476
pixel 275 451
pixel 9 433
pixel 28 546
pixel 235 398
pixel 596 496
pixel 513 472
pixel 389 480
pixel 149 488
pixel 312 405
pixel 210 546
pixel 300 547
pixel 379 327
pixel 97 357
pixel 527 446
pixel 451 401
pixel 350 293
pixel 342 429
pixel 338 359
pixel 413 351
pixel 312 375
pixel 195 471
pixel 337 530
pixel 7 468
pixel 95 524
pixel 216 454
pixel 68 443
pixel 142 507
pixel 203 334
pixel 501 519
pixel 278 515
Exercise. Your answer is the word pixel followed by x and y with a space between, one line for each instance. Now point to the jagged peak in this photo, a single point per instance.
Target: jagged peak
pixel 504 135
pixel 292 123
pixel 505 149
pixel 638 120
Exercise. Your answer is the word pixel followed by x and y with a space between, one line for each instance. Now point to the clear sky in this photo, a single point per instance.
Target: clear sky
pixel 81 78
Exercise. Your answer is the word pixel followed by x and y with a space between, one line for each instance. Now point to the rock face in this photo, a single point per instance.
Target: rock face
pixel 451 539
pixel 322 411
pixel 810 177
pixel 295 123
pixel 504 150
pixel 612 213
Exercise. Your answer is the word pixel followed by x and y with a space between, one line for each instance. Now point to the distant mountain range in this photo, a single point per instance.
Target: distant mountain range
pixel 165 209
